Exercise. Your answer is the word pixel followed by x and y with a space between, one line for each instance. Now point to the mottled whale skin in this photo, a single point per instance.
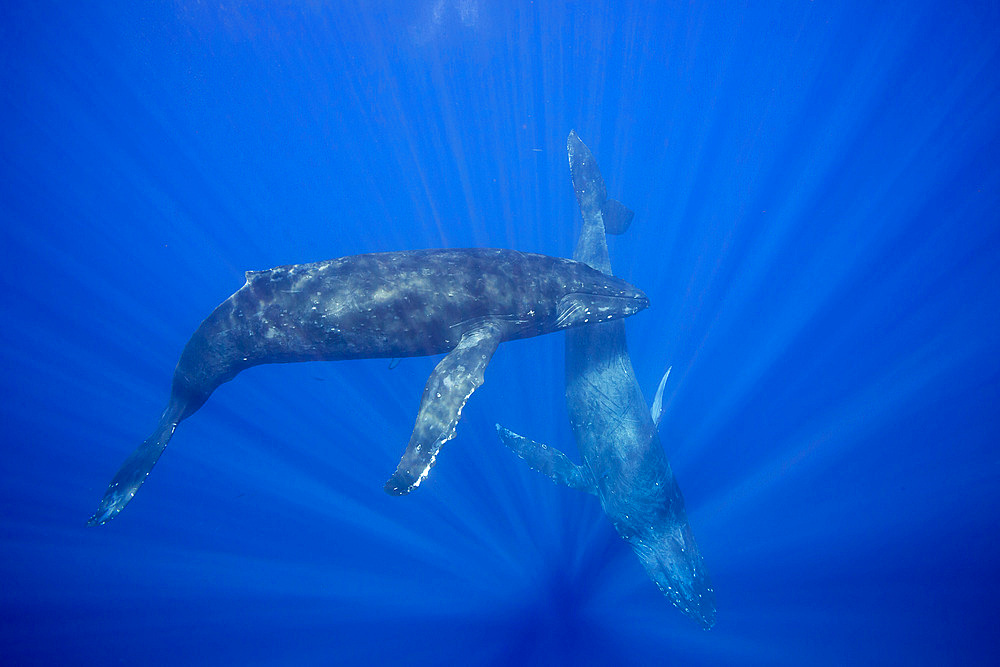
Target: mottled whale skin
pixel 624 464
pixel 393 304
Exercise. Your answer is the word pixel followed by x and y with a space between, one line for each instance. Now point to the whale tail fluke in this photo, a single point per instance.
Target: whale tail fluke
pixel 601 215
pixel 136 468
pixel 591 193
pixel 617 216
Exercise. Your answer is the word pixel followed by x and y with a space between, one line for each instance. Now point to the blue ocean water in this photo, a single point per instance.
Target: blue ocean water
pixel 816 188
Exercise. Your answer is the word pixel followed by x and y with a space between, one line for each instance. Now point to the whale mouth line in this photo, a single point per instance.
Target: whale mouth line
pixel 567 314
pixel 594 307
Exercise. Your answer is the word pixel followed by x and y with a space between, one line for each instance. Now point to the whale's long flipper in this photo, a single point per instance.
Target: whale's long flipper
pixel 656 412
pixel 448 388
pixel 548 461
pixel 136 468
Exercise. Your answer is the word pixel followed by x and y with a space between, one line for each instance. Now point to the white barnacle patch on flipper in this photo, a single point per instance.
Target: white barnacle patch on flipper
pixel 449 433
pixel 448 389
pixel 427 470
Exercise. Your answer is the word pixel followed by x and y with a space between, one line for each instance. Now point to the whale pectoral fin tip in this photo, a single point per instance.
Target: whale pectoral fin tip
pixel 547 460
pixel 105 512
pixel 399 485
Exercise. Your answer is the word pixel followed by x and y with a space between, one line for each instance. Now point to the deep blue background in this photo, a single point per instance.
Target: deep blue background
pixel 816 188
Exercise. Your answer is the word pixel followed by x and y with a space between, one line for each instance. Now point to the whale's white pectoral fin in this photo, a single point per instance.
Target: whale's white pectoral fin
pixel 657 410
pixel 448 388
pixel 548 461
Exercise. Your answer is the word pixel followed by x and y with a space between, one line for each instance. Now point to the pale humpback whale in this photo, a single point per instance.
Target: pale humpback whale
pixel 393 304
pixel 623 462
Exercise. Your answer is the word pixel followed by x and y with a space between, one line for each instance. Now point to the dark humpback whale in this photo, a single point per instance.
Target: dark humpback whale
pixel 392 304
pixel 623 462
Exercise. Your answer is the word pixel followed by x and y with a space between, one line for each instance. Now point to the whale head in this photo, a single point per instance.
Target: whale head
pixel 671 558
pixel 591 297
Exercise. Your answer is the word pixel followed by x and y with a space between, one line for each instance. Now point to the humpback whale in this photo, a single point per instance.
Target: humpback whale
pixel 395 304
pixel 623 461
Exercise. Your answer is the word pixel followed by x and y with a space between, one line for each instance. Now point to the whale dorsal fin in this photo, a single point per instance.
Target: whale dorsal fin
pixel 548 461
pixel 448 388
